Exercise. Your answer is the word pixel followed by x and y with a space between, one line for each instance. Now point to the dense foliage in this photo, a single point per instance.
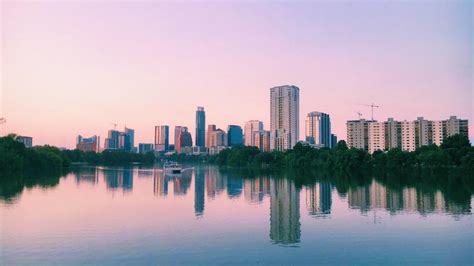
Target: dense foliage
pixel 456 152
pixel 15 157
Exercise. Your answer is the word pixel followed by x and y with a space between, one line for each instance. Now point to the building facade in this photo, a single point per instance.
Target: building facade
pixel 145 147
pixel 251 127
pixel 284 117
pixel 318 129
pixel 27 141
pixel 262 140
pixel 210 129
pixel 358 134
pixel 88 144
pixel 234 135
pixel 184 140
pixel 200 127
pixel 162 138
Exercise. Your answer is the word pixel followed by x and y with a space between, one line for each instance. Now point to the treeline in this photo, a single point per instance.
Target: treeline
pixel 456 152
pixel 15 157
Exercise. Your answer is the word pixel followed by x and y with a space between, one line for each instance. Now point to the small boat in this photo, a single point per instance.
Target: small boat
pixel 172 168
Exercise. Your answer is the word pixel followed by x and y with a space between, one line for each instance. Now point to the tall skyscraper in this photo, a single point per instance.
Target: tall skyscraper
pixel 162 138
pixel 318 129
pixel 234 135
pixel 251 127
pixel 200 127
pixel 284 117
pixel 112 140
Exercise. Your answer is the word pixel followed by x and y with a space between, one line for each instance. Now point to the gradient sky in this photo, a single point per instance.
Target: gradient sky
pixel 73 68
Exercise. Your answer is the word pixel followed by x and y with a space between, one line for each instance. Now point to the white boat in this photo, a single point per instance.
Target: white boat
pixel 172 168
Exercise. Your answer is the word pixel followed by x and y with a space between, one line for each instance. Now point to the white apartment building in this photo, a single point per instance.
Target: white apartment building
pixel 358 134
pixel 376 133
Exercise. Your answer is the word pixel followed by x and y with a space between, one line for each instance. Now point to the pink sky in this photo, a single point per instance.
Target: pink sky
pixel 73 68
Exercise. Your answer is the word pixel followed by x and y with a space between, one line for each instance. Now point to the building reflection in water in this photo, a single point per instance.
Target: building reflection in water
pixel 285 227
pixel 319 199
pixel 119 179
pixel 408 199
pixel 256 188
pixel 160 183
pixel 181 183
pixel 87 175
pixel 199 191
pixel 215 182
pixel 234 186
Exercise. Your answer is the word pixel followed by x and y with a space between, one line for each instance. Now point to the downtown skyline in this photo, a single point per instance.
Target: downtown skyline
pixel 125 71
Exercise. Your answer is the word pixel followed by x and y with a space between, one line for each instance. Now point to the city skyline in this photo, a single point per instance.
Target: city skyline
pixel 122 72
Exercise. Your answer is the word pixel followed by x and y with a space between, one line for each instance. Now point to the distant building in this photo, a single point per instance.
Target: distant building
pixel 88 144
pixel 234 135
pixel 358 134
pixel 405 135
pixel 162 138
pixel 251 127
pixel 117 140
pixel 177 131
pixel 262 140
pixel 210 129
pixel 333 141
pixel 318 129
pixel 145 147
pixel 129 143
pixel 200 127
pixel 112 140
pixel 284 117
pixel 184 140
pixel 27 141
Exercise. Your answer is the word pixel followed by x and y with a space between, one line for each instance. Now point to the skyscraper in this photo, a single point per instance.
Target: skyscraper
pixel 162 138
pixel 129 142
pixel 200 127
pixel 184 139
pixel 234 135
pixel 318 129
pixel 112 140
pixel 284 117
pixel 177 131
pixel 251 127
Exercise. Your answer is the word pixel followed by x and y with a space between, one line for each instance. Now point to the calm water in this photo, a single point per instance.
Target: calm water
pixel 205 216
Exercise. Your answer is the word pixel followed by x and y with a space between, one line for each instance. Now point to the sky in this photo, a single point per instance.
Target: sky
pixel 70 68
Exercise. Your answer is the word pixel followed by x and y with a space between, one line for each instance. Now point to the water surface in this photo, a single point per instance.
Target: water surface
pixel 207 216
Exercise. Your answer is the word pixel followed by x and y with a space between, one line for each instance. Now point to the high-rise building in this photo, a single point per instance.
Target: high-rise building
pixel 358 134
pixel 210 129
pixel 145 147
pixel 200 127
pixel 129 143
pixel 284 117
pixel 112 140
pixel 251 127
pixel 218 138
pixel 162 138
pixel 88 144
pixel 234 135
pixel 318 129
pixel 184 140
pixel 408 129
pixel 177 131
pixel 376 133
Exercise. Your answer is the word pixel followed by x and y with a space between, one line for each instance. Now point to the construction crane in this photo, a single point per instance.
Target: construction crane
pixel 372 106
pixel 359 114
pixel 115 125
